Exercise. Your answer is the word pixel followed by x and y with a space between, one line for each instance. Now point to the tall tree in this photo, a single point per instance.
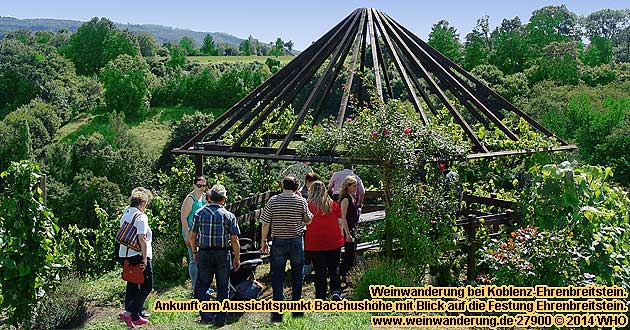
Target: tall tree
pixel 551 24
pixel 27 72
pixel 445 39
pixel 289 45
pixel 245 48
pixel 621 45
pixel 509 42
pixel 85 48
pixel 43 37
pixel 477 46
pixel 559 63
pixel 148 46
pixel 254 45
pixel 208 47
pixel 126 80
pixel 177 58
pixel 598 52
pixel 118 43
pixel 189 45
pixel 606 23
pixel 278 48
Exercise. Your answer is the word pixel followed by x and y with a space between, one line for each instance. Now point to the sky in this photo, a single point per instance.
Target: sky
pixel 300 21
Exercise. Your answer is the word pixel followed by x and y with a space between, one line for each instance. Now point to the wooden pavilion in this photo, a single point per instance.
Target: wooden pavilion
pixel 319 82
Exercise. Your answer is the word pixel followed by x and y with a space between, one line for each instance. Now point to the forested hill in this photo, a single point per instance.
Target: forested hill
pixel 161 33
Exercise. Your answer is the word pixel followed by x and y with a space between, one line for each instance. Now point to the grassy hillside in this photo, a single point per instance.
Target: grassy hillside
pixel 153 129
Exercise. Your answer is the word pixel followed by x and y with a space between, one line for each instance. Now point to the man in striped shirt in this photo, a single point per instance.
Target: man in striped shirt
pixel 214 230
pixel 287 214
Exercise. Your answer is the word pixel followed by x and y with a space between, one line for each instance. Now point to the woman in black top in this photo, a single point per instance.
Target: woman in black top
pixel 350 216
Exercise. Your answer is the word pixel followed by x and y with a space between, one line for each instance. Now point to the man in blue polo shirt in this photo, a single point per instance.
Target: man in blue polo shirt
pixel 214 229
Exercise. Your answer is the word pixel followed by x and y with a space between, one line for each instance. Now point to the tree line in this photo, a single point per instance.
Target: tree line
pixel 548 47
pixel 148 46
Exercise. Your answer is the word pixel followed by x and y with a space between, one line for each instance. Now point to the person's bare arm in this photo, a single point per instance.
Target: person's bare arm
pixel 265 231
pixel 236 248
pixel 307 215
pixel 185 212
pixel 360 192
pixel 344 221
pixel 192 241
pixel 143 247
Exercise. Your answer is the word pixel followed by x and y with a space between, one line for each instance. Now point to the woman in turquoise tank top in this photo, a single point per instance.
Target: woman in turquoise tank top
pixel 193 202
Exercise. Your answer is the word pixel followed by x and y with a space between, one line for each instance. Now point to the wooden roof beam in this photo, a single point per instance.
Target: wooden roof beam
pixel 299 80
pixel 433 85
pixel 341 51
pixel 448 79
pixel 346 91
pixel 403 74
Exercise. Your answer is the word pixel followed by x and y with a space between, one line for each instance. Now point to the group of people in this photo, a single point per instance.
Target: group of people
pixel 308 218
pixel 317 223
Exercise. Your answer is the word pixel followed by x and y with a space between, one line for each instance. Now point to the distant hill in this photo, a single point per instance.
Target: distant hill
pixel 161 33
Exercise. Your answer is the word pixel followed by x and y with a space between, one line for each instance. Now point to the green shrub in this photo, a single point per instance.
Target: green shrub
pixel 64 308
pixel 29 263
pixel 582 201
pixel 126 80
pixel 167 201
pixel 218 86
pixel 423 220
pixel 232 173
pixel 42 120
pixel 91 250
pixel 169 266
pixel 127 164
pixel 182 131
pixel 531 257
pixel 86 190
pixel 599 75
pixel 381 272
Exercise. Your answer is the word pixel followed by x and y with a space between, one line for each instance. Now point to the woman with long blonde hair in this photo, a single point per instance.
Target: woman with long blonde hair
pixel 350 217
pixel 324 240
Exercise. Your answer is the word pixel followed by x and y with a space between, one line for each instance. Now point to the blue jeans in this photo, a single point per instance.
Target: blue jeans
pixel 192 269
pixel 210 264
pixel 281 250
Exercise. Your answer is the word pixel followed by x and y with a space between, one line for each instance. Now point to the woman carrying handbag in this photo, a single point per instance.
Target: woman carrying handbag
pixel 135 238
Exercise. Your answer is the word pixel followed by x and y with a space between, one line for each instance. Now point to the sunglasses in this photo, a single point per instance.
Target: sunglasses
pixel 200 185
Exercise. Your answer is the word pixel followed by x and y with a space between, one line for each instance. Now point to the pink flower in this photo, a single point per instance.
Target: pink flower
pixel 386 132
pixel 374 134
pixel 407 131
pixel 349 120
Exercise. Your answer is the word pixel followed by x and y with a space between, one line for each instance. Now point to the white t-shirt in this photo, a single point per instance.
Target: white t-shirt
pixel 142 227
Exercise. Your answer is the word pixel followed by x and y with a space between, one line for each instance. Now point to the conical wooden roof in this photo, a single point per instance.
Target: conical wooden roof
pixel 326 74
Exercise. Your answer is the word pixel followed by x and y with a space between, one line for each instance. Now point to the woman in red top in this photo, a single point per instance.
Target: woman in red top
pixel 324 240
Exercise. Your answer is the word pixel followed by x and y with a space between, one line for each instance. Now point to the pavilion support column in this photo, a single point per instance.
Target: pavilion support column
pixel 198 160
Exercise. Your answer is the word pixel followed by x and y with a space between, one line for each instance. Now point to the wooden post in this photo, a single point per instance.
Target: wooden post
pixel 471 229
pixel 252 217
pixel 198 165
pixel 495 227
pixel 466 204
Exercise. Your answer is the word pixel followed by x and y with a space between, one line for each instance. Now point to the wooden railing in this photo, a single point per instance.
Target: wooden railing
pixel 248 212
